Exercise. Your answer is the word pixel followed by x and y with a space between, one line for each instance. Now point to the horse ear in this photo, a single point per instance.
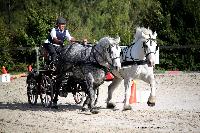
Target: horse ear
pixel 117 39
pixel 155 34
pixel 143 35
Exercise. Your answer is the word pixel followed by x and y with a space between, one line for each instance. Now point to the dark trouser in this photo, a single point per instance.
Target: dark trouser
pixel 53 50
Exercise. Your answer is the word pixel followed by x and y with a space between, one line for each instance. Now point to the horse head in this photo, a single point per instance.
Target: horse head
pixel 108 50
pixel 143 48
pixel 149 45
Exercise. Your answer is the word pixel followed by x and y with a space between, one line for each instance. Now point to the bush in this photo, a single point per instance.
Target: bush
pixel 19 67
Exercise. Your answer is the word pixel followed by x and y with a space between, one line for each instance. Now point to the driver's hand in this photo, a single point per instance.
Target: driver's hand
pixel 60 43
pixel 72 40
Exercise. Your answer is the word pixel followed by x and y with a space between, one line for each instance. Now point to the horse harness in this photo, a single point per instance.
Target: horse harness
pixel 145 45
pixel 99 65
pixel 136 61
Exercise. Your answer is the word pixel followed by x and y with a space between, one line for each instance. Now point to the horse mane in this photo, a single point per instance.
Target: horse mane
pixel 139 30
pixel 109 40
pixel 103 40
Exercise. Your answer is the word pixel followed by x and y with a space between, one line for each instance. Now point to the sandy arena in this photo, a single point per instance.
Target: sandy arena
pixel 177 110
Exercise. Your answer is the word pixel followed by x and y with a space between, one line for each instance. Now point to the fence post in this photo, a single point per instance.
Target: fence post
pixel 37 58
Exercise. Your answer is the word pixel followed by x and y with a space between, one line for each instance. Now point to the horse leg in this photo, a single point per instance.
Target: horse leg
pixel 91 94
pixel 96 93
pixel 55 99
pixel 115 83
pixel 152 98
pixel 127 85
pixel 91 99
pixel 93 109
pixel 56 93
pixel 86 104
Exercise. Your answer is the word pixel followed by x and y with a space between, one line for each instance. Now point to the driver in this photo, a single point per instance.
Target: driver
pixel 56 38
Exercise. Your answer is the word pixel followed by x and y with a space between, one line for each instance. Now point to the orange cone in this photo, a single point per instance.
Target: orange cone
pixel 132 98
pixel 29 68
pixel 4 70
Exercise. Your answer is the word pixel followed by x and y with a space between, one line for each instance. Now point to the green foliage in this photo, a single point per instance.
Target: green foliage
pixel 24 23
pixel 19 67
pixel 5 56
pixel 185 20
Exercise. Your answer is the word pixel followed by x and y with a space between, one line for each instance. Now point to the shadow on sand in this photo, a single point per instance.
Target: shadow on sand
pixel 39 107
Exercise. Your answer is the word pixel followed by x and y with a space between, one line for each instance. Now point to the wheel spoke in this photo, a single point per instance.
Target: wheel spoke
pixel 46 88
pixel 32 91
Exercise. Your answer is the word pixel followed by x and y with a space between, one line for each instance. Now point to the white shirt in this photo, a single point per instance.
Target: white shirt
pixel 53 34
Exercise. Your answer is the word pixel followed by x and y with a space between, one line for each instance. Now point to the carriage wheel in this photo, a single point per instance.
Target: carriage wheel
pixel 46 87
pixel 79 97
pixel 78 93
pixel 32 91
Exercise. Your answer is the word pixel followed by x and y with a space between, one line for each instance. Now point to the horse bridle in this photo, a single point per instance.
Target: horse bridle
pixel 145 46
pixel 109 51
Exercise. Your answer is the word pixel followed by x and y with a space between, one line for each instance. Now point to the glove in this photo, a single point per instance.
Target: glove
pixel 61 43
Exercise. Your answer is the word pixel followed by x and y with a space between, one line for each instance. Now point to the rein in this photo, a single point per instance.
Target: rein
pixel 110 64
pixel 94 57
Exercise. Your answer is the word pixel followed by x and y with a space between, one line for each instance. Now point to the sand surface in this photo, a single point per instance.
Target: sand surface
pixel 177 110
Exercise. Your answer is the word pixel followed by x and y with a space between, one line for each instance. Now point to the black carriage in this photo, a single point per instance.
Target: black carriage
pixel 42 83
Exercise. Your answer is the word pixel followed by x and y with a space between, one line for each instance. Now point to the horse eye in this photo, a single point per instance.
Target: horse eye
pixel 144 44
pixel 117 47
pixel 156 48
pixel 108 49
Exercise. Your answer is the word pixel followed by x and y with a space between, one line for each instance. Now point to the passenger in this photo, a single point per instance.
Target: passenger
pixel 85 43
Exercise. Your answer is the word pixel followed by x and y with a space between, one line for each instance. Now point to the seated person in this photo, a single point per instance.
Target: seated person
pixel 85 42
pixel 56 38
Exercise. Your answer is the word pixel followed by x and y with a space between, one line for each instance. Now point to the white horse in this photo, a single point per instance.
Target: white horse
pixel 138 61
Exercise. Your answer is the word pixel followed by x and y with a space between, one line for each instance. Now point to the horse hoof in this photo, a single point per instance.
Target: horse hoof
pixel 84 109
pixel 127 107
pixel 150 104
pixel 54 107
pixel 111 105
pixel 94 111
pixel 151 101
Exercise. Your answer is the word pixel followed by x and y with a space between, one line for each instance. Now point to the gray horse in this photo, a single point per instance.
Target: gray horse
pixel 90 64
